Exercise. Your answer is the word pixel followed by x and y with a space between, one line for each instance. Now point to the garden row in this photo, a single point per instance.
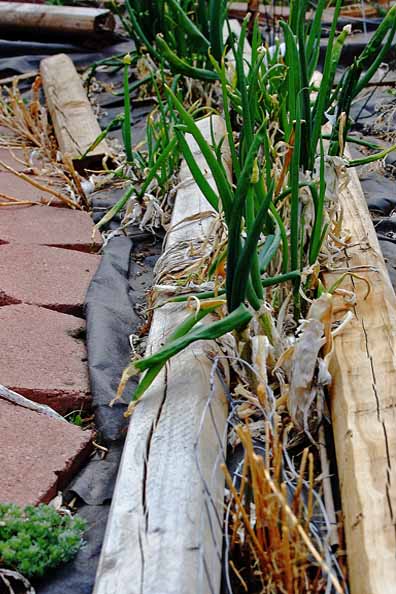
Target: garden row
pixel 271 245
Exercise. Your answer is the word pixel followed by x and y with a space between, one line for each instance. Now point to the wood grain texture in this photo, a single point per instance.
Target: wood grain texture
pixel 363 400
pixel 45 19
pixel 75 123
pixel 164 533
pixel 267 12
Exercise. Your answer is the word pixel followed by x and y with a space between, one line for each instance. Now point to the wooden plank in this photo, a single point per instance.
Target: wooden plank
pixel 47 19
pixel 164 533
pixel 75 123
pixel 363 401
pixel 239 10
pixel 269 12
pixel 265 12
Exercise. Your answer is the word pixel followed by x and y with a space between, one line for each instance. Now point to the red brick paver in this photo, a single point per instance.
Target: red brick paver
pixel 42 225
pixel 15 187
pixel 38 454
pixel 43 356
pixel 45 270
pixel 46 276
pixel 15 158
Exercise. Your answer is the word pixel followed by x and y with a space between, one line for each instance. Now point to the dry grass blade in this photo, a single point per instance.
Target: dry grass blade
pixel 18 203
pixel 44 188
pixel 24 122
pixel 30 130
pixel 11 201
pixel 271 527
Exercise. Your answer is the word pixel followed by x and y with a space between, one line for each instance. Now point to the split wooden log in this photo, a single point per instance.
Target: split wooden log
pixel 270 12
pixel 359 10
pixel 363 403
pixel 165 528
pixel 44 19
pixel 75 123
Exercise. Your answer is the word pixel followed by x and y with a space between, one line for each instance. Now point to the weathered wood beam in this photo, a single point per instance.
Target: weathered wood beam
pixel 164 533
pixel 76 126
pixel 267 12
pixel 363 407
pixel 46 19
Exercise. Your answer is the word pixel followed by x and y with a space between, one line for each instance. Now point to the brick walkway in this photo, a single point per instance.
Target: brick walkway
pixel 46 265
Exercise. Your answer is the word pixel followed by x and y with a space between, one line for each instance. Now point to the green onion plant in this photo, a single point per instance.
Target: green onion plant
pixel 178 33
pixel 275 208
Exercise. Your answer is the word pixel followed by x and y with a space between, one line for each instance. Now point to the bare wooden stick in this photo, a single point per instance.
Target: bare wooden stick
pixel 18 77
pixel 18 203
pixel 11 200
pixel 66 20
pixel 16 398
pixel 76 126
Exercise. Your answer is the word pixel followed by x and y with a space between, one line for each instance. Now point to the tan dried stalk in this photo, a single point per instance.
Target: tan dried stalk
pixel 30 180
pixel 276 532
pixel 30 130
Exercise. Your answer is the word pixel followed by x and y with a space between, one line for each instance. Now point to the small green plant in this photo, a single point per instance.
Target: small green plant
pixel 157 161
pixel 178 32
pixel 75 417
pixel 36 539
